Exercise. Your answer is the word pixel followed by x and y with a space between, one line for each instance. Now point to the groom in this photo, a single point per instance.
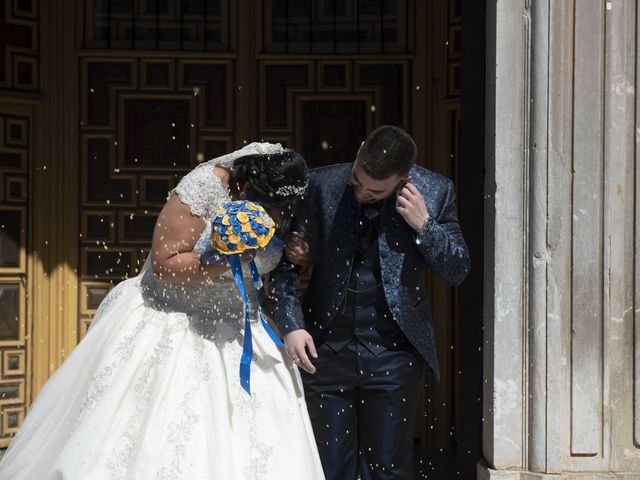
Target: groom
pixel 363 332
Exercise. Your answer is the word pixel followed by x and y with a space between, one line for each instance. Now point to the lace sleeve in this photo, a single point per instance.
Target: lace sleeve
pixel 202 191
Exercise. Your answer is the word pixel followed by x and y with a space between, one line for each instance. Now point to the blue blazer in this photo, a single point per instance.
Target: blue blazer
pixel 329 215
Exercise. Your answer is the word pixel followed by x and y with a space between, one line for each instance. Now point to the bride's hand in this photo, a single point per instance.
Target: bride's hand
pixel 297 342
pixel 213 257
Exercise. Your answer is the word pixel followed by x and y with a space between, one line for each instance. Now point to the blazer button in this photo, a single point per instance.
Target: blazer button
pixel 384 254
pixel 385 279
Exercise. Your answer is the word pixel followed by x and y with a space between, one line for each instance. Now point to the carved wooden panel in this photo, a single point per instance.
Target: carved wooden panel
pixel 336 26
pixel 325 108
pixel 331 128
pixel 19 45
pixel 144 124
pixel 185 25
pixel 15 145
pixel 454 47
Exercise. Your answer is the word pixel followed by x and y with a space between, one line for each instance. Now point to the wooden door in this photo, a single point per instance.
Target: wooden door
pixel 135 93
pixel 18 90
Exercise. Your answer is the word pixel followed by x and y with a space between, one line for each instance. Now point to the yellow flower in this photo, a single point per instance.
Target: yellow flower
pixel 263 240
pixel 246 227
pixel 221 245
pixel 233 238
pixel 225 220
pixel 242 217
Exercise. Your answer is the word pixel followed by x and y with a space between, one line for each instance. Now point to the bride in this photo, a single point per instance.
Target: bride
pixel 153 391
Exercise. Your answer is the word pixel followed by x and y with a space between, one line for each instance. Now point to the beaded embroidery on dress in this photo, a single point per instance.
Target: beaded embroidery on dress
pixel 153 392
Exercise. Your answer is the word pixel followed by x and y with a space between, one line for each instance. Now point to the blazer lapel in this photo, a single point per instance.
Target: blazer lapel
pixel 388 212
pixel 346 220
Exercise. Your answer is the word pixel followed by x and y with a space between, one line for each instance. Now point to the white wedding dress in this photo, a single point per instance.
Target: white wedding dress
pixel 153 390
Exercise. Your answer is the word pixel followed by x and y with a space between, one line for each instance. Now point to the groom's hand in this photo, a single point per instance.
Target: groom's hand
pixel 411 205
pixel 297 342
pixel 297 250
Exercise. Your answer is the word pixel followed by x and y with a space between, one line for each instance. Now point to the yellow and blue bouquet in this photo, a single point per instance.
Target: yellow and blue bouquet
pixel 238 227
pixel 241 226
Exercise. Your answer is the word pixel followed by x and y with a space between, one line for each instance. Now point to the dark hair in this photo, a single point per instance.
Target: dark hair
pixel 388 150
pixel 274 179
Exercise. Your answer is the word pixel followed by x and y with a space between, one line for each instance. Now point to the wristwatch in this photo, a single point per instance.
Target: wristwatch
pixel 425 226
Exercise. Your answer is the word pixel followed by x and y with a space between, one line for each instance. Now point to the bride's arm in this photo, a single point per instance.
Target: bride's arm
pixel 175 234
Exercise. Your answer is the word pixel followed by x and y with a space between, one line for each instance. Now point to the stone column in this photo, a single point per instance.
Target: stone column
pixel 562 250
pixel 506 158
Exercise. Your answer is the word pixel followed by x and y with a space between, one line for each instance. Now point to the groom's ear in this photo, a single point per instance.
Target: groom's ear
pixel 403 183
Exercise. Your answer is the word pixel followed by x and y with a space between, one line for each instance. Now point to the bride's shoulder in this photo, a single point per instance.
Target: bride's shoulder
pixel 202 190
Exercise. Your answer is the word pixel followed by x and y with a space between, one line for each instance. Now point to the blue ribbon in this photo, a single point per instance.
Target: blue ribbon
pixel 247 348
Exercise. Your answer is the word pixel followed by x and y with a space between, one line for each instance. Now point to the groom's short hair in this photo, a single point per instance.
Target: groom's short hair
pixel 388 150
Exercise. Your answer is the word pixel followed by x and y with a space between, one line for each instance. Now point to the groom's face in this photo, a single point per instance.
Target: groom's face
pixel 370 190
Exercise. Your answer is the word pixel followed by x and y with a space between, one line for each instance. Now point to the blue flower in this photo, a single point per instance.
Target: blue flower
pixel 248 239
pixel 257 228
pixel 232 207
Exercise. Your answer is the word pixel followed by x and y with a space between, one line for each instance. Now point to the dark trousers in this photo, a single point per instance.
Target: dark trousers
pixel 363 409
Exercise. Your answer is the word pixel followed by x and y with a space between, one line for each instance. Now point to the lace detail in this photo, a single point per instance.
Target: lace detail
pixel 98 385
pixel 180 430
pixel 101 380
pixel 121 456
pixel 202 191
pixel 260 453
pixel 106 303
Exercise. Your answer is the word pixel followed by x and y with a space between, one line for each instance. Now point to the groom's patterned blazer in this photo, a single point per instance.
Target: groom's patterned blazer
pixel 329 216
